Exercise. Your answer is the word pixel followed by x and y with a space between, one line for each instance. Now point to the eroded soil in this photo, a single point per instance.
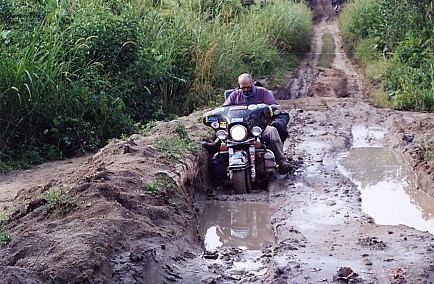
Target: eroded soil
pixel 131 213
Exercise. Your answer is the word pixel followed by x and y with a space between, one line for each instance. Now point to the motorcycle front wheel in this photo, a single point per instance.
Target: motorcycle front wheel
pixel 239 181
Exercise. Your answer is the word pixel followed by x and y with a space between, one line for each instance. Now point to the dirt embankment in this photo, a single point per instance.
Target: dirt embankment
pixel 129 213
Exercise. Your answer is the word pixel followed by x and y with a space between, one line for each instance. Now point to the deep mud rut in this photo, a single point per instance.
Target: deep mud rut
pixel 114 231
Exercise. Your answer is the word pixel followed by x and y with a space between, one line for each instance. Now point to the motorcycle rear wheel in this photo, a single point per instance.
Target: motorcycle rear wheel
pixel 239 181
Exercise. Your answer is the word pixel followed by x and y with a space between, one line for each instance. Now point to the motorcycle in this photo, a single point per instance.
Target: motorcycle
pixel 243 159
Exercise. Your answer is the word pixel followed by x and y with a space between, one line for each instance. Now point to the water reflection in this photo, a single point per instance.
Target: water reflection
pixel 236 224
pixel 388 188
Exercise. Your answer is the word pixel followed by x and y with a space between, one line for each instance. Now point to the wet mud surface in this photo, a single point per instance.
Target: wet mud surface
pixel 133 216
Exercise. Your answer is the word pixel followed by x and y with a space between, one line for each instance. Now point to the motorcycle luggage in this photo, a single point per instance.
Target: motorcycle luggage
pixel 269 161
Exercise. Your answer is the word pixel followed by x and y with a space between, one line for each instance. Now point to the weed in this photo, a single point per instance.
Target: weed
pixel 181 131
pixel 153 188
pixel 56 199
pixel 324 102
pixel 427 147
pixel 380 98
pixel 173 148
pixel 160 185
pixel 5 238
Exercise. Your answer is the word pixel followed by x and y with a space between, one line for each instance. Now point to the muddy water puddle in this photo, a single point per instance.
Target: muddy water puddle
pixel 245 225
pixel 388 188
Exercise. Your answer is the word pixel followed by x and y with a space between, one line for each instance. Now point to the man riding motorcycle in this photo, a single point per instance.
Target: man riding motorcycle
pixel 248 93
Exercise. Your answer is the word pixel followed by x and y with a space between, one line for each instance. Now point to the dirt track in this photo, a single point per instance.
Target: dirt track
pixel 114 231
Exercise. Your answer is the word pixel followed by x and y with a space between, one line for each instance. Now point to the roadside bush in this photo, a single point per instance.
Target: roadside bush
pixel 289 26
pixel 402 32
pixel 357 20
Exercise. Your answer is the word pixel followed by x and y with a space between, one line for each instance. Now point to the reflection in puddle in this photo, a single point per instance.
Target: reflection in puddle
pixel 388 188
pixel 245 225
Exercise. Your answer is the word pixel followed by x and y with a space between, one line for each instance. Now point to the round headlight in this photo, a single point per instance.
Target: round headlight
pixel 256 131
pixel 221 134
pixel 238 132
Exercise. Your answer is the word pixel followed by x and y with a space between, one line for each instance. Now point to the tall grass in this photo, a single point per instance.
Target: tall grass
pixel 75 74
pixel 402 33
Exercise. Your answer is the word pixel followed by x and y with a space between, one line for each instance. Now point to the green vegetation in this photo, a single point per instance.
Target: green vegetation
pixel 57 199
pixel 161 185
pixel 327 51
pixel 396 35
pixel 427 148
pixel 175 146
pixel 5 238
pixel 75 74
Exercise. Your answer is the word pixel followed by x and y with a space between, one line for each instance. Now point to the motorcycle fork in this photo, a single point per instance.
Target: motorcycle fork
pixel 252 153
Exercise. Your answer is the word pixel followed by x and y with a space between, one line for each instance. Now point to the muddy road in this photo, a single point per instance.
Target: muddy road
pixel 129 215
pixel 320 232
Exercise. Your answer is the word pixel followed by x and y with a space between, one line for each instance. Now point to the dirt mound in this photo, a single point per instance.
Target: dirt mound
pixel 331 83
pixel 413 135
pixel 119 208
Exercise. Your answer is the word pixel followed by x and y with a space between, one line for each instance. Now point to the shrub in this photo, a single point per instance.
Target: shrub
pixel 402 32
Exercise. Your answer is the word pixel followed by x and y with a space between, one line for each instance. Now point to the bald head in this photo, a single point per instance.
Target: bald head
pixel 245 80
pixel 245 83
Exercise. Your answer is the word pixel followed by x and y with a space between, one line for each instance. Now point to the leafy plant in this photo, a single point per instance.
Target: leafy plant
pixel 5 238
pixel 153 188
pixel 161 185
pixel 401 32
pixel 56 199
pixel 177 145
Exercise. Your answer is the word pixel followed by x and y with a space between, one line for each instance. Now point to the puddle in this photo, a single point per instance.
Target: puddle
pixel 367 135
pixel 245 225
pixel 388 188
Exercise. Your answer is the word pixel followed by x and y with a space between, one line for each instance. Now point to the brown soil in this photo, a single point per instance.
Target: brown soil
pixel 131 213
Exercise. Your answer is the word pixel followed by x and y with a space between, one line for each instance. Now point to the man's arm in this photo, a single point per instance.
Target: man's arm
pixel 231 99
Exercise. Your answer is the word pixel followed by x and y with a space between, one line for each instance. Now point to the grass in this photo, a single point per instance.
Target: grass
pixel 327 51
pixel 380 98
pixel 427 147
pixel 160 185
pixel 77 75
pixel 5 238
pixel 177 145
pixel 56 199
pixel 395 50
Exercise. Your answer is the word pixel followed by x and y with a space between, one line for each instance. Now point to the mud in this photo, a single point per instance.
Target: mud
pixel 131 215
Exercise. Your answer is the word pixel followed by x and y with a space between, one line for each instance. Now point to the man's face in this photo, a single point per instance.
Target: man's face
pixel 246 87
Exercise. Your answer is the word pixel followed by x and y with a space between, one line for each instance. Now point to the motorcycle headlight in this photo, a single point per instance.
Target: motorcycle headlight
pixel 221 134
pixel 256 131
pixel 238 132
